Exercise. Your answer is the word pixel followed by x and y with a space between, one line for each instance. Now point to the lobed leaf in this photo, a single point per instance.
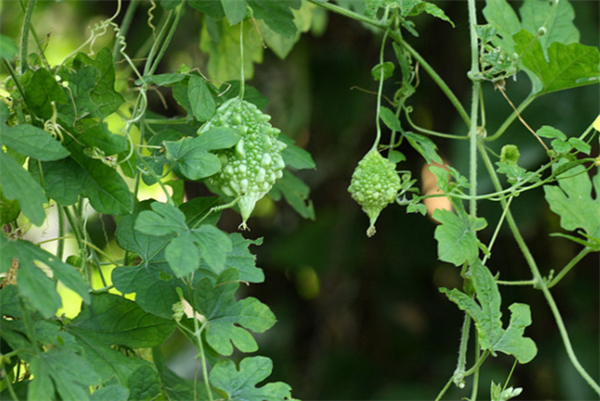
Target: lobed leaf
pixel 564 67
pixel 227 321
pixel 240 384
pixel 104 186
pixel 41 92
pixel 241 259
pixel 572 200
pixel 487 316
pixel 456 236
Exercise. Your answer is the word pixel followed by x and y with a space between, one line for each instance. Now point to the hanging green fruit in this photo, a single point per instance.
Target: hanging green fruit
pixel 374 185
pixel 249 169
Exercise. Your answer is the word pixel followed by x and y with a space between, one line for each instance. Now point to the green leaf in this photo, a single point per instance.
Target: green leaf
pixel 17 184
pixel 114 320
pixel 565 67
pixel 199 208
pixel 201 99
pixel 114 392
pixel 182 254
pixel 106 189
pixel 503 17
pixel 437 12
pixel 190 160
pixel 517 174
pixel 224 55
pixel 214 245
pixel 241 384
pixel 241 259
pixel 580 145
pixel 389 119
pixel 9 209
pixel 572 201
pixel 296 194
pixel 42 91
pixel 294 156
pixel 109 363
pixel 27 253
pixel 163 220
pixel 457 236
pixel 216 138
pixel 276 14
pixel 425 146
pixel 42 386
pixel 386 68
pixel 550 132
pixel 152 280
pixel 282 45
pixel 8 48
pixel 33 283
pixel 561 146
pixel 144 384
pixel 231 89
pixel 63 181
pixel 487 317
pixel 97 135
pixel 103 98
pixel 556 17
pixel 235 10
pixel 32 141
pixel 71 374
pixel 228 320
pixel 212 8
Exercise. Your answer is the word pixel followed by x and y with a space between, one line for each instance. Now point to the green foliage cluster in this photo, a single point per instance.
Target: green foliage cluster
pixel 62 154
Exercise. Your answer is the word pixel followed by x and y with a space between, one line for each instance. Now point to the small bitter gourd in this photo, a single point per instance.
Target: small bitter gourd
pixel 249 169
pixel 374 185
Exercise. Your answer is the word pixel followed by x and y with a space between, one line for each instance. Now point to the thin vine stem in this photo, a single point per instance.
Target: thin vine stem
pixel 11 390
pixel 473 129
pixel 541 284
pixel 156 43
pixel 379 92
pixel 469 372
pixel 517 282
pixel 422 130
pixel 459 372
pixel 125 25
pixel 497 230
pixel 242 77
pixel 25 35
pixel 60 249
pixel 165 45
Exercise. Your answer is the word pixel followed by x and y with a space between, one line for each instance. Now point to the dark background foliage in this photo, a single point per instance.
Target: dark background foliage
pixel 362 318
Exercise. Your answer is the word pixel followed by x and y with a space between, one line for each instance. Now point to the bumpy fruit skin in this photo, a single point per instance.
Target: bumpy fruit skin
pixel 249 169
pixel 374 185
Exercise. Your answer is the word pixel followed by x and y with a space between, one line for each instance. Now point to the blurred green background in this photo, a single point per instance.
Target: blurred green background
pixel 361 318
